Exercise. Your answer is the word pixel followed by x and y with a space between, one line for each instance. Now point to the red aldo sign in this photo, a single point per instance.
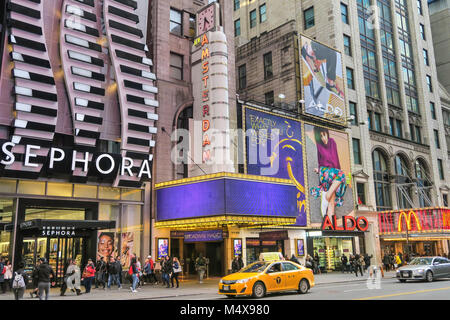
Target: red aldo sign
pixel 349 223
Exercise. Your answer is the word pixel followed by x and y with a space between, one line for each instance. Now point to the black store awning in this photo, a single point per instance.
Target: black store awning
pixel 80 225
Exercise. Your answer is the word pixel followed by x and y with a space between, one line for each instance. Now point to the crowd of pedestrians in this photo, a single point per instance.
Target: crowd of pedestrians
pixel 102 274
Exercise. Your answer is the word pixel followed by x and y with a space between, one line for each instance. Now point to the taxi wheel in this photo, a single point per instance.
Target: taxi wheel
pixel 402 280
pixel 259 290
pixel 303 286
pixel 230 296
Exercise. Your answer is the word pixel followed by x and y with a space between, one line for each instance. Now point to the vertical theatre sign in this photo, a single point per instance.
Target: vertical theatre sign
pixel 206 118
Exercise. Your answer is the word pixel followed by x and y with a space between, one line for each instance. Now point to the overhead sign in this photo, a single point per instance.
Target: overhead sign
pixel 349 223
pixel 411 213
pixel 200 236
pixel 274 235
pixel 270 256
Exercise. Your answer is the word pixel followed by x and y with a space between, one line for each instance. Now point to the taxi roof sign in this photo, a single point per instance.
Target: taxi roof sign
pixel 270 256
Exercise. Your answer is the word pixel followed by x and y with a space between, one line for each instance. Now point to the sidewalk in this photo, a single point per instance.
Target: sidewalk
pixel 187 288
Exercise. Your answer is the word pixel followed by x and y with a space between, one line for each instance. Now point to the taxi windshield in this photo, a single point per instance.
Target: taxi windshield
pixel 255 267
pixel 421 261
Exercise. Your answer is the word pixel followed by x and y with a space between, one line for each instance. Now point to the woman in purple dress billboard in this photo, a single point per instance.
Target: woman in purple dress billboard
pixel 332 180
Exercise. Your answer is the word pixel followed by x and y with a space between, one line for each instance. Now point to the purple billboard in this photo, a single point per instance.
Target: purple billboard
pixel 275 148
pixel 226 196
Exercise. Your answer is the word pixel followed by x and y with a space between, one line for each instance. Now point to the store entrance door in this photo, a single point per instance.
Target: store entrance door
pixel 57 251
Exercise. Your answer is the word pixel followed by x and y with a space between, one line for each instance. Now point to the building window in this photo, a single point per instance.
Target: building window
pixel 429 84
pixel 268 73
pixel 237 4
pixel 361 193
pixel 425 57
pixel 398 128
pixel 192 29
pixel 347 45
pixel 433 110
pixel 269 98
pixel 350 81
pixel 419 7
pixel 381 179
pixel 344 13
pixel 369 119
pixel 262 13
pixel 308 15
pixel 402 177
pixel 422 31
pixel 253 18
pixel 377 118
pixel 441 169
pixel 418 134
pixel 242 70
pixel 391 126
pixel 237 27
pixel 176 22
pixel 436 139
pixel 445 199
pixel 176 66
pixel 356 151
pixel 354 113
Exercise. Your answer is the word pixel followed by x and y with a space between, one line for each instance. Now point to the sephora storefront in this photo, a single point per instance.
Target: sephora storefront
pixel 77 124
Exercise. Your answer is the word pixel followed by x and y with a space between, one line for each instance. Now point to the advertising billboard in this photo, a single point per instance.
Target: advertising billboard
pixel 300 247
pixel 329 173
pixel 322 81
pixel 237 247
pixel 274 147
pixel 163 248
pixel 226 196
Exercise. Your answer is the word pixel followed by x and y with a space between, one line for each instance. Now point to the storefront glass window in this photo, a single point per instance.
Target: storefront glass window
pixel 108 240
pixel 8 186
pixel 131 232
pixel 54 214
pixel 330 251
pixel 84 191
pixel 31 187
pixel 132 194
pixel 59 189
pixel 109 193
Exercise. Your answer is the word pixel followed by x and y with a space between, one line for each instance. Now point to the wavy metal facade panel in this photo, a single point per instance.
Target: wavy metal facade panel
pixel 135 83
pixel 102 91
pixel 36 103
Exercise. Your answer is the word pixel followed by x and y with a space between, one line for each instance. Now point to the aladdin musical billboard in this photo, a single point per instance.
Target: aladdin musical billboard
pixel 274 147
pixel 329 173
pixel 322 81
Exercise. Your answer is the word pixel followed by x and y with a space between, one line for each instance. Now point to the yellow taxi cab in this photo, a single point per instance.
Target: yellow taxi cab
pixel 269 275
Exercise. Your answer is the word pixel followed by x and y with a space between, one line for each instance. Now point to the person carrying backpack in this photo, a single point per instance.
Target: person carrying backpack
pixel 100 269
pixel 19 282
pixel 200 266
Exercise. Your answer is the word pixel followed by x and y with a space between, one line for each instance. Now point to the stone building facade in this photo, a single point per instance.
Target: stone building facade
pixel 393 93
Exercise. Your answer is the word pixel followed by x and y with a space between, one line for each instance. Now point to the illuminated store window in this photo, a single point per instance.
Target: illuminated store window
pixel 85 191
pixel 8 186
pixel 109 193
pixel 132 194
pixel 31 187
pixel 54 214
pixel 59 189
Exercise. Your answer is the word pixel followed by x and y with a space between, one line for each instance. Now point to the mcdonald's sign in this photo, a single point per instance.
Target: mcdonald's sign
pixel 408 220
pixel 446 219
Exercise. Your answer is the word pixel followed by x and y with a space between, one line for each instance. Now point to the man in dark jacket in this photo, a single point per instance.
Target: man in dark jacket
pixel 235 265
pixel 357 265
pixel 168 269
pixel 344 262
pixel 100 270
pixel 113 268
pixel 43 273
pixel 367 260
pixel 294 259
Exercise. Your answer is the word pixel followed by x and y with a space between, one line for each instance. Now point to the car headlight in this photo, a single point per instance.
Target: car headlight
pixel 220 281
pixel 398 271
pixel 242 281
pixel 420 271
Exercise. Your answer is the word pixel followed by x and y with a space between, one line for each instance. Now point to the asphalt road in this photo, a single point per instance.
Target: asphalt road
pixel 388 289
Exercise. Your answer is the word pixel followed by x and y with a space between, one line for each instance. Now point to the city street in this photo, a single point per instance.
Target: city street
pixel 332 286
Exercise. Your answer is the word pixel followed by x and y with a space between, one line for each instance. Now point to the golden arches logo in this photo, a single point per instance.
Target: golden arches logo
pixel 408 220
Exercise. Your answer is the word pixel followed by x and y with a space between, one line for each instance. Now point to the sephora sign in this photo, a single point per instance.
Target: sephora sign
pixel 99 164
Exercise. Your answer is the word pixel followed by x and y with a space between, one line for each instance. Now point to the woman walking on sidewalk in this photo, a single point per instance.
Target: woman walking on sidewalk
pixel 134 273
pixel 89 275
pixel 176 271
